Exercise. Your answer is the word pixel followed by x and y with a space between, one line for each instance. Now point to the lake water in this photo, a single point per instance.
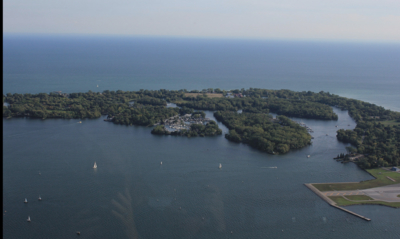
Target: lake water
pixel 131 195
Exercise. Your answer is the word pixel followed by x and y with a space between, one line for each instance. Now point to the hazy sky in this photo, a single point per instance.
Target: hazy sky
pixel 371 20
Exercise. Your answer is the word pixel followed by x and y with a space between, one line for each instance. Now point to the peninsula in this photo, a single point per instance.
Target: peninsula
pixel 376 137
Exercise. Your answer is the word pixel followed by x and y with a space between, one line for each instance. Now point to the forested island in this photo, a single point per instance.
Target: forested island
pixel 376 136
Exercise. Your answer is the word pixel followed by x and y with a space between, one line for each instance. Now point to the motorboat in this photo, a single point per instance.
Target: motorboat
pixel 29 219
pixel 95 165
pixel 220 166
pixel 40 198
pixel 26 200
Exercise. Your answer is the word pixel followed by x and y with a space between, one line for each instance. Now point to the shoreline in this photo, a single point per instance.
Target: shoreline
pixel 332 203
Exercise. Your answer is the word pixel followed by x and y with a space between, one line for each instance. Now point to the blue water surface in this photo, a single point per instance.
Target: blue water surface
pixel 131 194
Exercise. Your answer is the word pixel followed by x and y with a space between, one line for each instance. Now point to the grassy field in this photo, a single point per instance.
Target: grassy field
pixel 210 95
pixel 358 197
pixel 341 201
pixel 379 173
pixel 390 122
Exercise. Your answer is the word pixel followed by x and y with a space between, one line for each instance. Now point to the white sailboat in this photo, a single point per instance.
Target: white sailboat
pixel 26 200
pixel 29 219
pixel 95 165
pixel 220 166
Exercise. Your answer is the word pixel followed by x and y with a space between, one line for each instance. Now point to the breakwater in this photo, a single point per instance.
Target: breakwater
pixel 332 203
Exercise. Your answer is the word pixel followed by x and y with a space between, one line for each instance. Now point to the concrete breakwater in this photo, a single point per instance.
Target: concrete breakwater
pixel 332 203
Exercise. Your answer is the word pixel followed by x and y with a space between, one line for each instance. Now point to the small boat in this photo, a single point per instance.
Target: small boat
pixel 161 163
pixel 97 85
pixel 29 219
pixel 78 233
pixel 40 173
pixel 40 199
pixel 220 166
pixel 95 165
pixel 308 156
pixel 26 200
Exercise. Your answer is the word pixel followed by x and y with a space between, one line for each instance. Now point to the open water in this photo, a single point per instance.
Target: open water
pixel 131 195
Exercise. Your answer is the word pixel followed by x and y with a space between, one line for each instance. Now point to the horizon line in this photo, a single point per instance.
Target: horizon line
pixel 102 35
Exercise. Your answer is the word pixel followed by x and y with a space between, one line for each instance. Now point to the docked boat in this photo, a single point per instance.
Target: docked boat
pixel 29 219
pixel 220 166
pixel 95 165
pixel 26 200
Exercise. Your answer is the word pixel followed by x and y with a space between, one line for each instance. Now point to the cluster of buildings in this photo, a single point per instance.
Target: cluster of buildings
pixel 60 93
pixel 177 123
pixel 231 95
pixel 109 118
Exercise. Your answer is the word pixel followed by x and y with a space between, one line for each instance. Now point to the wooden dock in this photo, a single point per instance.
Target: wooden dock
pixel 332 203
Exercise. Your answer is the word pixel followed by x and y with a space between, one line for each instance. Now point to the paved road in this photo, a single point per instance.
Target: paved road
pixel 343 193
pixel 386 193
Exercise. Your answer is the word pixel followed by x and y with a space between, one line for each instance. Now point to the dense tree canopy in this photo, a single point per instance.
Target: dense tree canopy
pixel 379 142
pixel 262 132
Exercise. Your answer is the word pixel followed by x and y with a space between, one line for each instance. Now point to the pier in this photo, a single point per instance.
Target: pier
pixel 332 203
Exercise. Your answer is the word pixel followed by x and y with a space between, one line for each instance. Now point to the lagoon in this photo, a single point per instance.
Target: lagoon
pixel 246 196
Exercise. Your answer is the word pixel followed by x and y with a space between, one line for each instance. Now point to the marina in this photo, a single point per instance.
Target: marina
pixel 178 123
